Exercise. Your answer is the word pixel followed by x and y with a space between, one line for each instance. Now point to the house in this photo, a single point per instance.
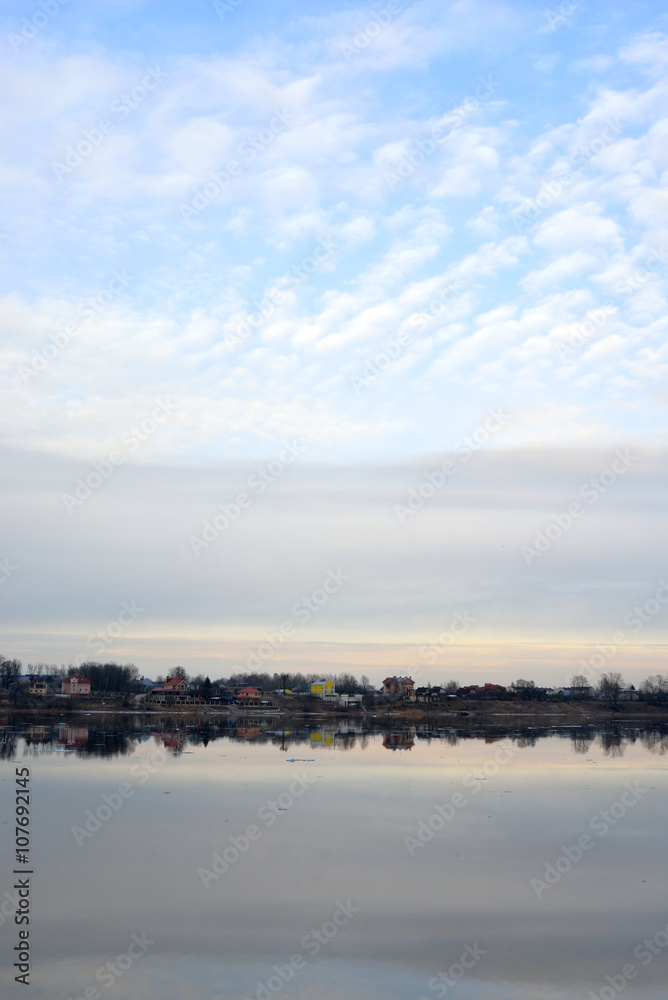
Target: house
pixel 175 685
pixel 222 695
pixel 488 690
pixel 347 700
pixel 38 685
pixel 428 694
pixel 323 689
pixel 77 686
pixel 404 687
pixel 302 688
pixel 249 696
pixel 173 692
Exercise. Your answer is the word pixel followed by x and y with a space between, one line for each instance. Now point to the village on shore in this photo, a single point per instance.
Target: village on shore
pixel 115 686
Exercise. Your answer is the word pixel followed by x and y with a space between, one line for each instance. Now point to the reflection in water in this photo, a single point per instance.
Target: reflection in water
pixel 252 861
pixel 120 735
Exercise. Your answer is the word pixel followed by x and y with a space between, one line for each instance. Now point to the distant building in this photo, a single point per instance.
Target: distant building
pixel 38 685
pixel 488 690
pixel 175 691
pixel 323 689
pixel 249 696
pixel 77 686
pixel 404 687
pixel 302 688
pixel 175 685
pixel 427 694
pixel 346 700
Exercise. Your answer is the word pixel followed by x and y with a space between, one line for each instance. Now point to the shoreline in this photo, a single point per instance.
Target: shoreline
pixel 492 712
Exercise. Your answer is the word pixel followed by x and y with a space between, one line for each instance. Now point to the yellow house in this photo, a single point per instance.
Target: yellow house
pixel 323 689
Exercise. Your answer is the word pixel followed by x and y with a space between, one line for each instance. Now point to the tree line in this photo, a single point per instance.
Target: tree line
pixel 116 678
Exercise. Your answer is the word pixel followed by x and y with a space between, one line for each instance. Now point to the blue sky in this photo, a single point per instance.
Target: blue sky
pixel 422 213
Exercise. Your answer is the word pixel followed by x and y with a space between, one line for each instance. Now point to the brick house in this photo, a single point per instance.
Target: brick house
pixel 77 686
pixel 404 687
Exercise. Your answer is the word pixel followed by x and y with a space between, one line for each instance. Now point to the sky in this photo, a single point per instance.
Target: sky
pixel 334 337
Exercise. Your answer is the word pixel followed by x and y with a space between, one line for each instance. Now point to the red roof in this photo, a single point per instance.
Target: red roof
pixel 175 682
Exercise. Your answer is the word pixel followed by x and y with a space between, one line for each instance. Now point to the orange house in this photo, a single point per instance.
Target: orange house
pixel 402 686
pixel 77 685
pixel 175 685
pixel 249 696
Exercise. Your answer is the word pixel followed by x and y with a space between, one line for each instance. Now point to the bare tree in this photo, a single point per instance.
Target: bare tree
pixel 10 671
pixel 523 688
pixel 580 687
pixel 610 686
pixel 655 688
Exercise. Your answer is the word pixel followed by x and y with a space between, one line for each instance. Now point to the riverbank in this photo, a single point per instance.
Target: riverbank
pixel 451 713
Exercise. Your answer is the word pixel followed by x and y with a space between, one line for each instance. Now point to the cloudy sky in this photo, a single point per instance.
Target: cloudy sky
pixel 335 336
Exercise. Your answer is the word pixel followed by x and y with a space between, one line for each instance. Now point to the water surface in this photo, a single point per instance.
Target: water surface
pixel 243 860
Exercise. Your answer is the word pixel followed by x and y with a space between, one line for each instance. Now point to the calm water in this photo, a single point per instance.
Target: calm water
pixel 222 865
